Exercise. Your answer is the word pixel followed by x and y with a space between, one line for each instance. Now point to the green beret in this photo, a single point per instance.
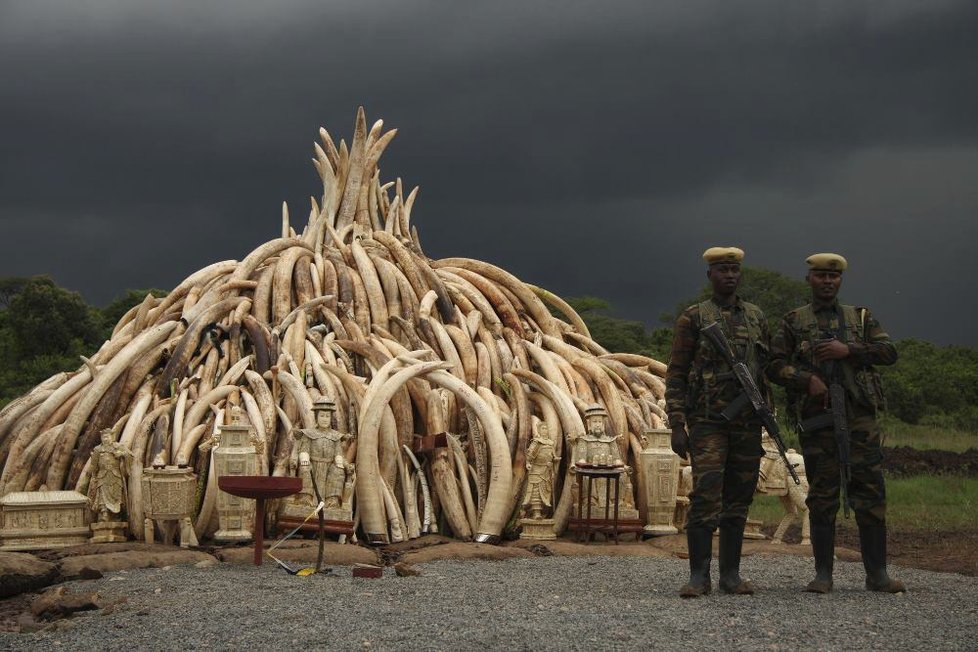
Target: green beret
pixel 826 263
pixel 715 255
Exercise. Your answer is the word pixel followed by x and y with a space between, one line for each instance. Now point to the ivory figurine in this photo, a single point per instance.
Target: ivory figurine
pixel 318 458
pixel 541 466
pixel 597 447
pixel 107 489
pixel 773 480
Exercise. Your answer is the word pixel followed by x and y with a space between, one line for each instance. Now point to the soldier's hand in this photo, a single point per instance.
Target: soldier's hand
pixel 816 386
pixel 830 350
pixel 680 441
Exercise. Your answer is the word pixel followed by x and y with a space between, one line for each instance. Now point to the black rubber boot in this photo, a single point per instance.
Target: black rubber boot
pixel 872 543
pixel 823 549
pixel 731 543
pixel 700 543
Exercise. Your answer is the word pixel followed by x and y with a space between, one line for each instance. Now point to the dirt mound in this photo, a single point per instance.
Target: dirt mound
pixel 944 551
pixel 904 461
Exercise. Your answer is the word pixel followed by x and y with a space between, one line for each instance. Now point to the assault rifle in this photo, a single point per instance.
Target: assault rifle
pixel 751 394
pixel 836 419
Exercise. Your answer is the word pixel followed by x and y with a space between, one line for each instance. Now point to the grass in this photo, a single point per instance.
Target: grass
pixel 898 433
pixel 920 503
pixel 767 509
pixel 933 502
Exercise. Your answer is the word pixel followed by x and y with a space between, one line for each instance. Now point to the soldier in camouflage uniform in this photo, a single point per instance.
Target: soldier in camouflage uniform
pixel 724 448
pixel 815 341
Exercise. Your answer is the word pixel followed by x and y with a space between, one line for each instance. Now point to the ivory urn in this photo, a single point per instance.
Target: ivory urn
pixel 235 454
pixel 660 468
pixel 168 499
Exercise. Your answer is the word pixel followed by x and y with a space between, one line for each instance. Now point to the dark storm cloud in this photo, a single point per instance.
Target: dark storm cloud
pixel 590 148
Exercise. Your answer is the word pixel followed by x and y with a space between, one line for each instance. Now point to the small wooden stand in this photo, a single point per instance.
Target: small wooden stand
pixel 582 522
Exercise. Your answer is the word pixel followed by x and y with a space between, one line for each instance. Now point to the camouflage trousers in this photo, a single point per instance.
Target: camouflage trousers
pixel 726 458
pixel 867 492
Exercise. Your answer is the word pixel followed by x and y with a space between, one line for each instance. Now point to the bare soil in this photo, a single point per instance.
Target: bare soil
pixel 944 552
pixel 904 461
pixel 947 551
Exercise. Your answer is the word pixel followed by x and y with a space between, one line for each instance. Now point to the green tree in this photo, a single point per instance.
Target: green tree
pixel 43 330
pixel 772 291
pixel 46 319
pixel 10 286
pixel 936 385
pixel 112 313
pixel 621 335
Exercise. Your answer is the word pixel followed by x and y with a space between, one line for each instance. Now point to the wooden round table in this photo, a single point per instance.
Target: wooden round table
pixel 260 488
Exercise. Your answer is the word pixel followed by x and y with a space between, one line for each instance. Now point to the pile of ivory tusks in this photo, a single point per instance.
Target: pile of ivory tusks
pixel 350 309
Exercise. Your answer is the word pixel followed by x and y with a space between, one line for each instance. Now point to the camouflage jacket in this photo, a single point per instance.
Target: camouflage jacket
pixel 792 363
pixel 699 383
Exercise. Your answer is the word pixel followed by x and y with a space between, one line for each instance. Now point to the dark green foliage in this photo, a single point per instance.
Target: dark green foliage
pixel 44 329
pixel 621 335
pixel 45 319
pixel 112 313
pixel 934 385
pixel 10 286
pixel 772 291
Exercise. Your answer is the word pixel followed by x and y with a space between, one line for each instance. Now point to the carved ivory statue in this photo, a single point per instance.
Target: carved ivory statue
pixel 318 458
pixel 598 447
pixel 774 481
pixel 107 489
pixel 541 465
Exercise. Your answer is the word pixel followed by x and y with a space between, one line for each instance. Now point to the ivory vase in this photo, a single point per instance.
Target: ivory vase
pixel 660 467
pixel 235 455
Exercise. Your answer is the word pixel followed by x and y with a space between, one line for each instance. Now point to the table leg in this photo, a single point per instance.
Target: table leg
pixel 589 526
pixel 259 530
pixel 581 527
pixel 607 505
pixel 617 489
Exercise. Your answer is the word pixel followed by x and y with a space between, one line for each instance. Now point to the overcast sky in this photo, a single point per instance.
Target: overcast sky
pixel 591 148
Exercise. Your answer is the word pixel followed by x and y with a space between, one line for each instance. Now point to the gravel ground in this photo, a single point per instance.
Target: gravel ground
pixel 548 603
